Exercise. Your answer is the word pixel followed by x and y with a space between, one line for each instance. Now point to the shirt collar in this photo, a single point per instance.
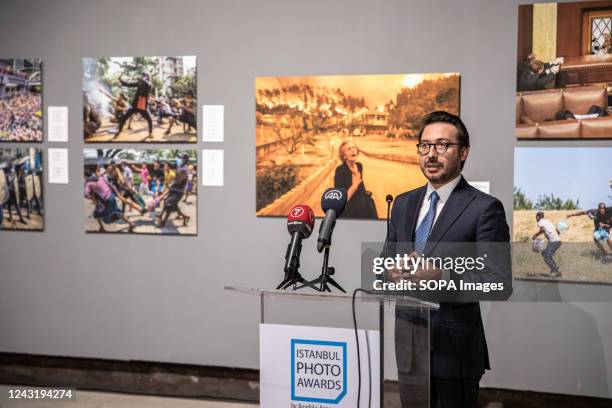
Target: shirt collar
pixel 445 191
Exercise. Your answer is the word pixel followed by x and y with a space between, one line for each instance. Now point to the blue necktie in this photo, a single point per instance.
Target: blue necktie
pixel 422 231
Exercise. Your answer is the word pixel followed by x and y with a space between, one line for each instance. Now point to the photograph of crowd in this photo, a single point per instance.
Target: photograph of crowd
pixel 564 71
pixel 140 99
pixel 562 214
pixel 352 131
pixel 21 195
pixel 150 191
pixel 21 100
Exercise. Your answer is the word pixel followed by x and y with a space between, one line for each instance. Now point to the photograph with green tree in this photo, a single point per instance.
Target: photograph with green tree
pixel 564 196
pixel 357 132
pixel 140 99
pixel 151 191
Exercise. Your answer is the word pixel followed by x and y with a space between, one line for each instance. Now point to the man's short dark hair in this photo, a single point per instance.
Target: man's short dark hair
pixel 540 214
pixel 446 117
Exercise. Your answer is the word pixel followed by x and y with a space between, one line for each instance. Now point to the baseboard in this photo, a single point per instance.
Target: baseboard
pixel 195 381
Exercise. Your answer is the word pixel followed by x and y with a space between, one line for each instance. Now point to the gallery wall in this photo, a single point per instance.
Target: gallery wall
pixel 67 293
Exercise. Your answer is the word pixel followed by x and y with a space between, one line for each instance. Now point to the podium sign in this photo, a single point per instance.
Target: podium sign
pixel 316 367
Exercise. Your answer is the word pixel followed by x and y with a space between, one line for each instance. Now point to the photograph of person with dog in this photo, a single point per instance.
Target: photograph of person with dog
pixel 563 214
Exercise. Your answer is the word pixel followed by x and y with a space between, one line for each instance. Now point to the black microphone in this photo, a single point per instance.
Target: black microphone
pixel 389 199
pixel 300 223
pixel 333 203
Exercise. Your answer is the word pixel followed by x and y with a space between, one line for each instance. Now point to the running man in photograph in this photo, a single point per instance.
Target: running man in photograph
pixel 172 196
pixel 143 170
pixel 104 196
pixel 187 115
pixel 191 179
pixel 127 186
pixel 157 178
pixel 115 176
pixel 554 242
pixel 602 220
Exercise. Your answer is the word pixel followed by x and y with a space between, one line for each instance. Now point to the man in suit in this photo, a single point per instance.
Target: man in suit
pixel 446 209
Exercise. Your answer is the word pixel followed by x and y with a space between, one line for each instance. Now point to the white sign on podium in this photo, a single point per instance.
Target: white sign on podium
pixel 317 367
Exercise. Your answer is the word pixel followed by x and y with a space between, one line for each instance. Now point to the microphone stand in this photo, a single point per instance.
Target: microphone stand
pixel 326 273
pixel 385 250
pixel 292 274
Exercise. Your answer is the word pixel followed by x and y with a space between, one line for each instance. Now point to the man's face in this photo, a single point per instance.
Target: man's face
pixel 442 168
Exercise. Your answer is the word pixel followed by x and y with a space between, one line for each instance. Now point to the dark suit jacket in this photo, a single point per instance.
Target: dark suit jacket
pixel 458 344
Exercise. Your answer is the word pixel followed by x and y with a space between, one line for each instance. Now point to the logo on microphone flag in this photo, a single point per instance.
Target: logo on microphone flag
pixel 333 195
pixel 318 371
pixel 297 211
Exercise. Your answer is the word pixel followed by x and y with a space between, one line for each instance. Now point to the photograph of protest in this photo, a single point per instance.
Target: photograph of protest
pixel 150 191
pixel 352 131
pixel 21 193
pixel 140 99
pixel 563 213
pixel 564 71
pixel 21 100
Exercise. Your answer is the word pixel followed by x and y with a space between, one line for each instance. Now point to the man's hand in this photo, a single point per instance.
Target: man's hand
pixel 395 275
pixel 559 60
pixel 426 273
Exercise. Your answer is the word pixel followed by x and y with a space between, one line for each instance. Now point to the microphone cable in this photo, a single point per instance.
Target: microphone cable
pixel 359 353
pixel 389 200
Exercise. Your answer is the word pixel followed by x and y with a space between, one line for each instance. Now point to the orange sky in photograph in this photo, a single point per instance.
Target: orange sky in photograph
pixel 376 89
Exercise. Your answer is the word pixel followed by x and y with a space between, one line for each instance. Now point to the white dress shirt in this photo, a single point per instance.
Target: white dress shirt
pixel 444 193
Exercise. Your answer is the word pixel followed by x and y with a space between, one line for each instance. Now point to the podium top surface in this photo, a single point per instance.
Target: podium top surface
pixel 339 296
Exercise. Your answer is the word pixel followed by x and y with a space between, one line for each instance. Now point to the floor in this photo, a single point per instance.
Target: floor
pixel 90 399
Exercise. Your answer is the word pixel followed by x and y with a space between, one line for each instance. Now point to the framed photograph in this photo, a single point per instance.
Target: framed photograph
pixel 562 214
pixel 358 132
pixel 21 189
pixel 21 100
pixel 140 99
pixel 151 191
pixel 564 71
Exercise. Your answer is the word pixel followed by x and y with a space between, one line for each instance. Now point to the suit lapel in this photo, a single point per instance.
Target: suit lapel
pixel 413 213
pixel 453 208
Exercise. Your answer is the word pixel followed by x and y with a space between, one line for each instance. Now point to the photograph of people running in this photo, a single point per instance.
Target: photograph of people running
pixel 140 191
pixel 140 99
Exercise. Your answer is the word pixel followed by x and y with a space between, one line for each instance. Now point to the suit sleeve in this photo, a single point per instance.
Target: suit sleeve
pixel 493 248
pixel 493 245
pixel 492 225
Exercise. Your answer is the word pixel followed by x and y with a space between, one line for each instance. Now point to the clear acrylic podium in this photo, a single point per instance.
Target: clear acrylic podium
pixel 403 323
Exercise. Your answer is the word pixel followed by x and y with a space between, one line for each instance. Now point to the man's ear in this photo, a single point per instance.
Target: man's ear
pixel 465 151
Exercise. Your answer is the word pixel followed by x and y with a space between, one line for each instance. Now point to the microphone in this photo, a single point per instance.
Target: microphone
pixel 300 223
pixel 333 203
pixel 389 200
